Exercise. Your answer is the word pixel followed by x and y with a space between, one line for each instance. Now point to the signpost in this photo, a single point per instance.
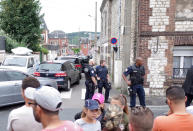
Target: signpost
pixel 114 42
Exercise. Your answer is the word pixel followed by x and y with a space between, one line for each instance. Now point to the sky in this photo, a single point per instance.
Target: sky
pixel 71 15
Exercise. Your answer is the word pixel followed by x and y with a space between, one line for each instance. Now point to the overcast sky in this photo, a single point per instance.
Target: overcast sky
pixel 70 15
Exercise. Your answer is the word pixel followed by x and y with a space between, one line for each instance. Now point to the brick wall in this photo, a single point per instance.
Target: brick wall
pixel 159 33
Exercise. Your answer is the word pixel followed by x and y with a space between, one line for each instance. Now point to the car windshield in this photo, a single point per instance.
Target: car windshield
pixel 50 67
pixel 15 61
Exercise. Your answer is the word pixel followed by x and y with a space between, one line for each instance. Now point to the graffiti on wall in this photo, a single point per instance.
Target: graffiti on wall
pixel 184 9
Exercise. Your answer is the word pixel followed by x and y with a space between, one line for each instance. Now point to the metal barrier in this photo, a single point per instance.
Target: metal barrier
pixel 180 73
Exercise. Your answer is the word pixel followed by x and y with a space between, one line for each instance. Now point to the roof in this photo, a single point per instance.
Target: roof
pixel 55 61
pixel 43 24
pixel 57 34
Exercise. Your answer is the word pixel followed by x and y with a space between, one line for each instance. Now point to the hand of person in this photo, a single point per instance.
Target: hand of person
pixel 98 78
pixel 128 83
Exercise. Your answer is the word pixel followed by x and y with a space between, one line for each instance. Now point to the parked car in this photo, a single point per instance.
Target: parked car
pixel 10 86
pixel 24 63
pixel 73 59
pixel 63 72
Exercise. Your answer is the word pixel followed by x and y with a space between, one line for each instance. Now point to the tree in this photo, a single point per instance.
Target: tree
pixel 21 20
pixel 76 50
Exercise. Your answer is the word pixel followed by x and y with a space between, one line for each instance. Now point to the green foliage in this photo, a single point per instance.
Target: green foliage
pixel 76 50
pixel 44 50
pixel 10 43
pixel 21 20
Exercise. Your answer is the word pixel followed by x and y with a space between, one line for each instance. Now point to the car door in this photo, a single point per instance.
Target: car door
pixel 6 90
pixel 15 78
pixel 75 72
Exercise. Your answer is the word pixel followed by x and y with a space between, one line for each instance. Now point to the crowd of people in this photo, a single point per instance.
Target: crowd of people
pixel 43 103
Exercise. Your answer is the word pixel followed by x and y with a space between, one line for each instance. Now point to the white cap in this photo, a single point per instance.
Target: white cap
pixel 47 97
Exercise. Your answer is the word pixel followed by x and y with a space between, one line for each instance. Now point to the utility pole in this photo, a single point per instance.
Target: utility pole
pixel 119 39
pixel 96 24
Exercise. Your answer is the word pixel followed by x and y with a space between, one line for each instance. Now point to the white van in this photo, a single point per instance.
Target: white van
pixel 24 63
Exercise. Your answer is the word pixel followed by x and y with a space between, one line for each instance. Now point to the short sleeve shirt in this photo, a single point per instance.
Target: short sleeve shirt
pixel 102 72
pixel 127 71
pixel 92 71
pixel 67 126
pixel 174 122
pixel 88 126
pixel 22 119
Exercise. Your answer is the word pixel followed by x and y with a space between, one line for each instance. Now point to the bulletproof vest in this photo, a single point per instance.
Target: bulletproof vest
pixel 137 74
pixel 87 73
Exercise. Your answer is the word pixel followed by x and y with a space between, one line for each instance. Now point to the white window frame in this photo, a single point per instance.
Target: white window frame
pixel 182 51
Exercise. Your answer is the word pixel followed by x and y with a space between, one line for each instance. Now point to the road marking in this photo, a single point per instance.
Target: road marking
pixel 66 94
pixel 83 94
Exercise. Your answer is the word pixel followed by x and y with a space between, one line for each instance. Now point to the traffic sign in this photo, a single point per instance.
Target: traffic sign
pixel 113 40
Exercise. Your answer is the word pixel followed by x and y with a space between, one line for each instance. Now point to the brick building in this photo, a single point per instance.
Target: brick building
pixel 84 46
pixel 59 38
pixel 165 30
pixel 159 31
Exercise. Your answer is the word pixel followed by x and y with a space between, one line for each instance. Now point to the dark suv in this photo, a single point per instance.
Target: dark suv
pixel 73 59
pixel 63 72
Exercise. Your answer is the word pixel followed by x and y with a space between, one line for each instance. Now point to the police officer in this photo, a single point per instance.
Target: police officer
pixel 136 72
pixel 90 82
pixel 103 79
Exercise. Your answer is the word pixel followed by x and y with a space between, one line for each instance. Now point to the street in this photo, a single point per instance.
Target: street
pixel 73 102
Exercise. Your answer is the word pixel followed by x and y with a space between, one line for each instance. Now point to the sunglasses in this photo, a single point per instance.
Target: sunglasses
pixel 31 103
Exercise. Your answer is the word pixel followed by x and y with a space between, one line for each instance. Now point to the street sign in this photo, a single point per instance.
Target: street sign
pixel 113 40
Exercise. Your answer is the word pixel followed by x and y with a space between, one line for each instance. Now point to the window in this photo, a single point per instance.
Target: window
pixel 15 61
pixel 13 75
pixel 182 60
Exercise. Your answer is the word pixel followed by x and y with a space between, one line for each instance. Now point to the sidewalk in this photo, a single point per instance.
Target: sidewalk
pixel 150 100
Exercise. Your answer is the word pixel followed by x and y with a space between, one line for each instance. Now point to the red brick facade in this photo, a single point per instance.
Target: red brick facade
pixel 172 37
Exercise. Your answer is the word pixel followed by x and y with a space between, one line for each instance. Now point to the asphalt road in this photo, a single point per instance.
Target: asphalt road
pixel 73 102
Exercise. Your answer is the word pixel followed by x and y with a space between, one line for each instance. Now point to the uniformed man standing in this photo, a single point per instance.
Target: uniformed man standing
pixel 103 79
pixel 90 82
pixel 136 72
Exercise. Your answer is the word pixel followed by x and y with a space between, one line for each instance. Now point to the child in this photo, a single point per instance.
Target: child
pixel 121 101
pixel 88 121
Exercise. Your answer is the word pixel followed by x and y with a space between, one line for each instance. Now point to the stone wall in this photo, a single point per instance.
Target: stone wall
pixel 159 19
pixel 184 26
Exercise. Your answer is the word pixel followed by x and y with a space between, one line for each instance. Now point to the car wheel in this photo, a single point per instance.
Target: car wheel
pixel 68 85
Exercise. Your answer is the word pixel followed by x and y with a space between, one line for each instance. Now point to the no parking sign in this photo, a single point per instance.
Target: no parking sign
pixel 114 41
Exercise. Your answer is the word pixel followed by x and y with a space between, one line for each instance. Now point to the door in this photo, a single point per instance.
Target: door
pixel 75 72
pixel 15 78
pixel 6 90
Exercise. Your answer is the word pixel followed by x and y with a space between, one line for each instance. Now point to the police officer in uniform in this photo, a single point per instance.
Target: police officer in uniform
pixel 103 79
pixel 136 72
pixel 90 82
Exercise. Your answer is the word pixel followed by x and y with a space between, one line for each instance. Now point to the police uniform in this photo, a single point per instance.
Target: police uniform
pixel 90 87
pixel 102 72
pixel 137 79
